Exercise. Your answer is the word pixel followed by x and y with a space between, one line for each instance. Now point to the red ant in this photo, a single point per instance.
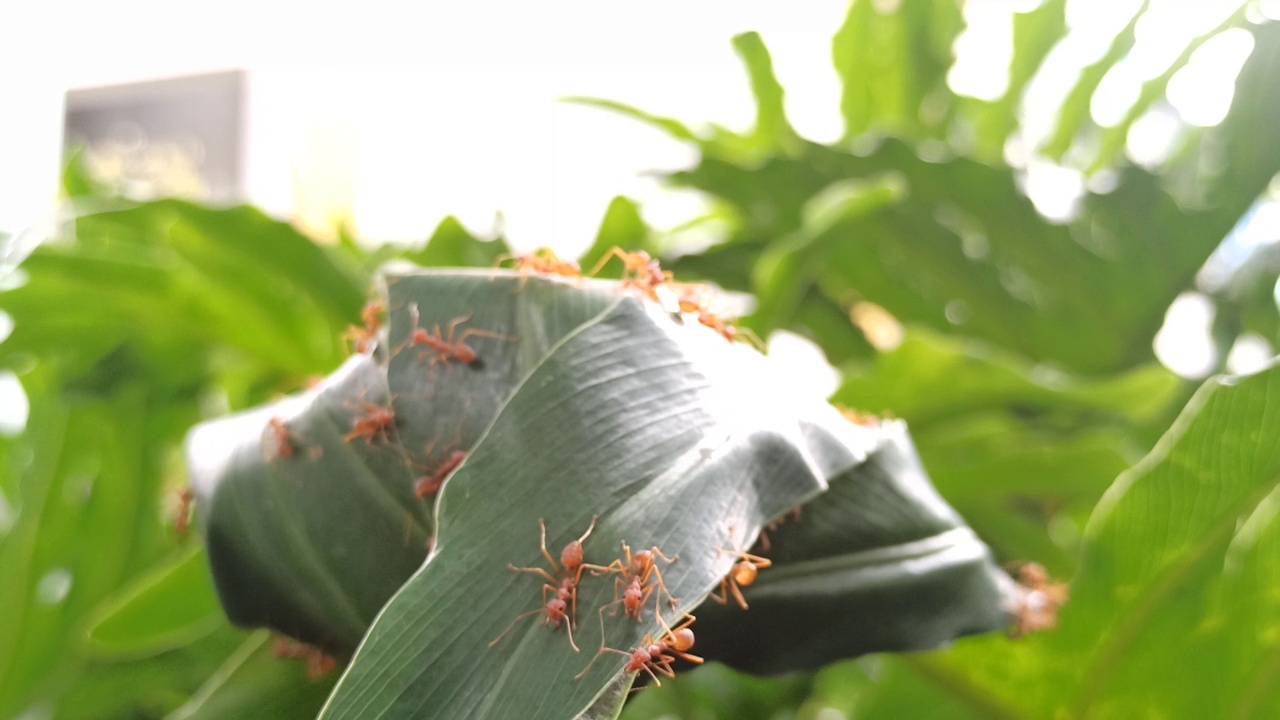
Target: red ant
pixel 430 484
pixel 318 663
pixel 651 654
pixel 364 335
pixel 564 583
pixel 1039 599
pixel 375 421
pixel 860 418
pixel 691 302
pixel 773 526
pixel 544 261
pixel 280 431
pixel 635 574
pixel 639 270
pixel 182 513
pixel 443 347
pixel 742 574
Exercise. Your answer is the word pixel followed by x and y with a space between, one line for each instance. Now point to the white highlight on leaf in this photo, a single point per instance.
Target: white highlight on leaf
pixel 54 586
pixel 14 407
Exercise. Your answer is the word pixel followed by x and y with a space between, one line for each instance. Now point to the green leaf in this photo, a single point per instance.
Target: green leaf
pixel 141 687
pixel 1170 555
pixel 453 244
pixel 1074 112
pixel 721 462
pixel 84 524
pixel 522 318
pixel 1161 534
pixel 782 275
pixel 170 273
pixel 308 532
pixel 773 131
pixel 311 527
pixel 1035 33
pixel 892 66
pixel 170 606
pixel 931 378
pixel 851 577
pixel 674 128
pixel 253 683
pixel 622 227
pixel 1112 140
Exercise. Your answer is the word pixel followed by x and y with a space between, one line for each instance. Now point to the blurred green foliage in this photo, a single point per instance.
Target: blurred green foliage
pixel 1025 371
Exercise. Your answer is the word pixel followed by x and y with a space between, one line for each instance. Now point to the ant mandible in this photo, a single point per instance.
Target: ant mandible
pixel 634 580
pixel 444 347
pixel 375 421
pixel 430 484
pixel 363 336
pixel 742 574
pixel 563 581
pixel 653 655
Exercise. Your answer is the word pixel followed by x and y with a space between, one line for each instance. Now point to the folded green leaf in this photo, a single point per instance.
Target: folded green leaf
pixel 878 562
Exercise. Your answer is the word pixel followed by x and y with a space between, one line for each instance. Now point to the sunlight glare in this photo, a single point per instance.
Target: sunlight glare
pixel 1153 136
pixel 1202 91
pixel 14 407
pixel 1184 343
pixel 1055 190
pixel 1251 353
pixel 983 52
pixel 802 364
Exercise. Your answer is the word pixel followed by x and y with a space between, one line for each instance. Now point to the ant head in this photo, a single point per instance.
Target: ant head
pixel 638 659
pixel 556 609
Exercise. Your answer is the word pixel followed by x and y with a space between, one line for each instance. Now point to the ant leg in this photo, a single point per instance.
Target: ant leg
pixel 672 601
pixel 737 594
pixel 475 332
pixel 590 527
pixel 542 526
pixel 601 651
pixel 616 566
pixel 663 665
pixel 536 570
pixel 408 339
pixel 723 597
pixel 453 324
pixel 569 628
pixel 667 560
pixel 519 617
pixel 604 260
pixel 760 562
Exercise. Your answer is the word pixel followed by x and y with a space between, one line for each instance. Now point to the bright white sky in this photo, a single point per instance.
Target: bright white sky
pixel 472 127
pixel 459 114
